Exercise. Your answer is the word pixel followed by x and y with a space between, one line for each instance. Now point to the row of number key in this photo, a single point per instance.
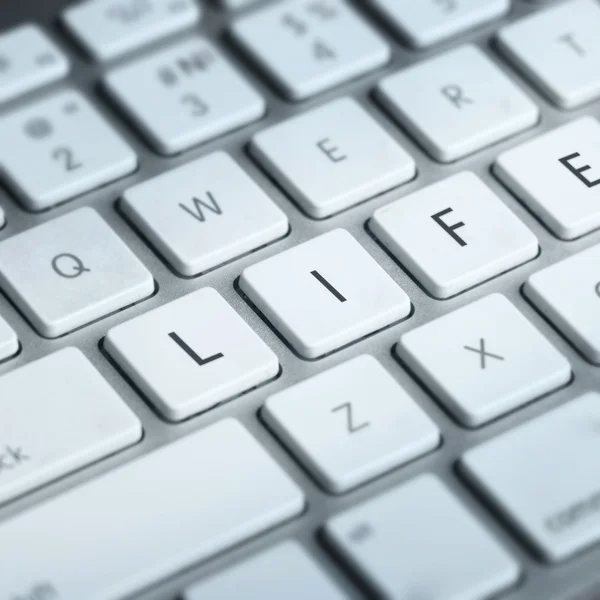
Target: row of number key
pixel 188 77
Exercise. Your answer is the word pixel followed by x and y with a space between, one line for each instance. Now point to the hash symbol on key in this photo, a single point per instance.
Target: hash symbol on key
pixel 483 353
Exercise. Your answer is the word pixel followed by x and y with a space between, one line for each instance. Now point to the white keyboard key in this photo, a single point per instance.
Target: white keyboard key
pixel 327 166
pixel 425 524
pixel 110 28
pixel 9 342
pixel 543 476
pixel 324 293
pixel 70 271
pixel 285 571
pixel 60 147
pixel 454 234
pixel 2 218
pixel 57 415
pixel 484 360
pixel 350 423
pixel 28 60
pixel 457 103
pixel 564 163
pixel 179 505
pixel 568 294
pixel 308 46
pixel 204 214
pixel 559 50
pixel 191 354
pixel 184 95
pixel 431 21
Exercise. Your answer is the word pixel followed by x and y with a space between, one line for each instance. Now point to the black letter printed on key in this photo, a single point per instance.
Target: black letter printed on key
pixel 197 211
pixel 327 285
pixel 577 171
pixel 455 94
pixel 449 229
pixel 569 40
pixel 201 361
pixel 352 425
pixel 332 152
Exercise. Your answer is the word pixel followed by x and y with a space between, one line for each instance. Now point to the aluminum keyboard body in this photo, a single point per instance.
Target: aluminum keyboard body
pixel 580 575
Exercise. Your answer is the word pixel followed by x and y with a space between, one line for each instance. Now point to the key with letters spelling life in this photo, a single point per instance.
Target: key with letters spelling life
pixel 324 293
pixel 191 354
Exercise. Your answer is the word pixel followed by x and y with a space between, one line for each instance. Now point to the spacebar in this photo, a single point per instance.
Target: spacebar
pixel 146 520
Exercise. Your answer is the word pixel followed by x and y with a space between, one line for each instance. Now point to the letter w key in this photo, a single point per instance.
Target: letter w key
pixel 197 211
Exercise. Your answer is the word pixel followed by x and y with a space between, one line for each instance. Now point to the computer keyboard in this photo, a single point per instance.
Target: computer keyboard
pixel 299 299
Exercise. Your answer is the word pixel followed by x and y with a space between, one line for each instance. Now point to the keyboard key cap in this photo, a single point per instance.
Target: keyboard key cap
pixel 552 167
pixel 543 476
pixel 9 343
pixel 200 495
pixel 427 23
pixel 28 60
pixel 568 294
pixel 204 214
pixel 191 354
pixel 457 103
pixel 69 147
pixel 454 234
pixel 71 271
pixel 2 218
pixel 324 293
pixel 350 424
pixel 484 360
pixel 184 95
pixel 559 50
pixel 307 47
pixel 327 166
pixel 421 521
pixel 284 571
pixel 57 415
pixel 110 28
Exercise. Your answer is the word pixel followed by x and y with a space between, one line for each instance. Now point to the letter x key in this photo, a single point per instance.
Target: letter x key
pixel 483 353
